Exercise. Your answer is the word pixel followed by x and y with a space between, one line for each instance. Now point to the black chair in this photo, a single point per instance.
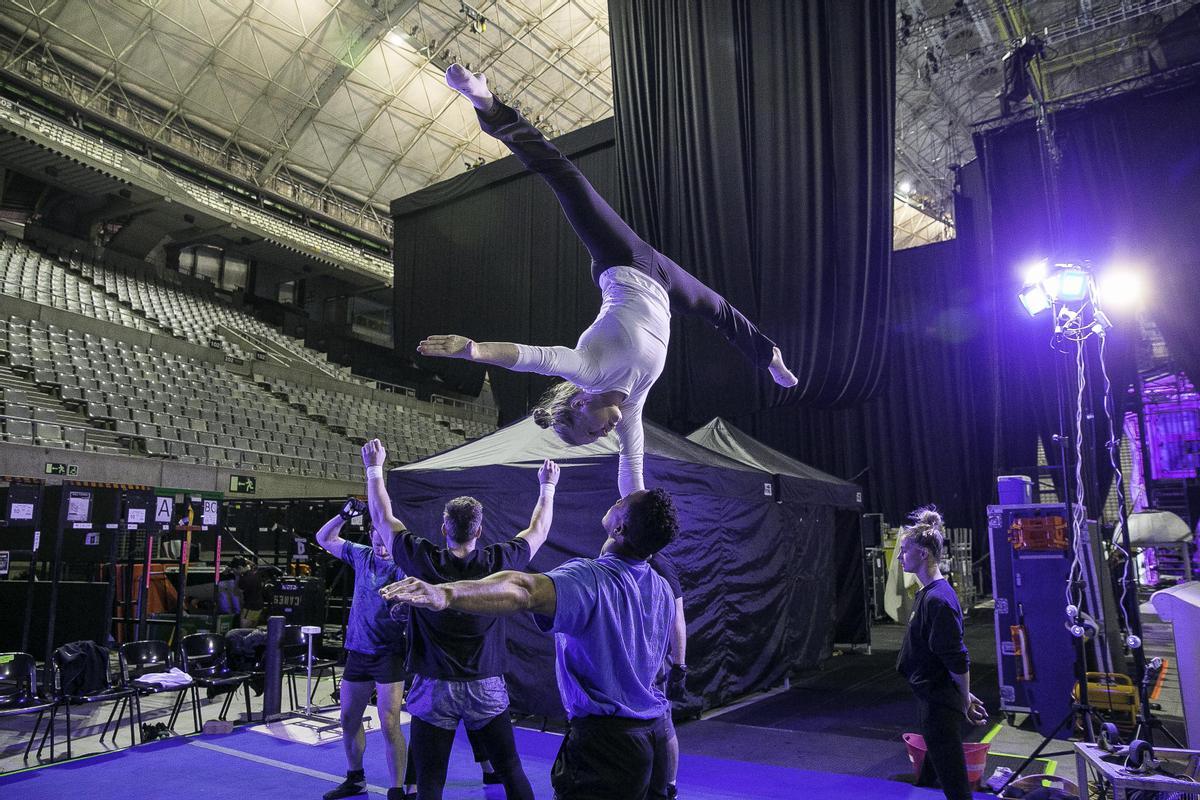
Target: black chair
pixel 18 692
pixel 295 662
pixel 205 659
pixel 141 658
pixel 67 696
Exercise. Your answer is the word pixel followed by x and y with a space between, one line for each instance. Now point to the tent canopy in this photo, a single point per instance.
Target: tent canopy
pixel 758 576
pixel 670 461
pixel 800 482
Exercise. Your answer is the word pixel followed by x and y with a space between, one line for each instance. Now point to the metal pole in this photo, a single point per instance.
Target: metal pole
pixel 308 678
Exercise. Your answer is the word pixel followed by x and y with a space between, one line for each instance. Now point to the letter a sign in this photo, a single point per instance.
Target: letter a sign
pixel 163 508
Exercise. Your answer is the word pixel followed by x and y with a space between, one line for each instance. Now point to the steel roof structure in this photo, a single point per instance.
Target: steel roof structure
pixel 339 105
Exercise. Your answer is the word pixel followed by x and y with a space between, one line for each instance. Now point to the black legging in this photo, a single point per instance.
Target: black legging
pixel 478 752
pixel 611 242
pixel 430 755
pixel 942 728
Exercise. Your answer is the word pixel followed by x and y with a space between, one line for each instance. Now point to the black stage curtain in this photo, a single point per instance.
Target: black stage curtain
pixel 489 255
pixel 756 145
pixel 928 437
pixel 1126 190
pixel 851 623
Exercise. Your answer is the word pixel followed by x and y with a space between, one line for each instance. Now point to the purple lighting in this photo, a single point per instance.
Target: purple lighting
pixel 1035 299
pixel 1072 285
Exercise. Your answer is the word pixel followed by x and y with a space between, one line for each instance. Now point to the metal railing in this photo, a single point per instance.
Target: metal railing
pixel 134 438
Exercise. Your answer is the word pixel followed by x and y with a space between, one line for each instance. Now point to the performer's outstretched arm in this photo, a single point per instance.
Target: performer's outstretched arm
pixel 501 594
pixel 561 361
pixel 379 505
pixel 501 354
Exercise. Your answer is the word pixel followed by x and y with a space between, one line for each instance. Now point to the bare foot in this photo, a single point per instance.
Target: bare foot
pixel 471 85
pixel 779 371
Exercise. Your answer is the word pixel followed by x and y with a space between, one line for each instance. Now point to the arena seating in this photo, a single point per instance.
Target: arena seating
pixel 196 317
pixel 35 277
pixel 409 434
pixel 67 388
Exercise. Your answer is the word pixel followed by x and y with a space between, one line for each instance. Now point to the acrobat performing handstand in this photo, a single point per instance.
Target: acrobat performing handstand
pixel 609 372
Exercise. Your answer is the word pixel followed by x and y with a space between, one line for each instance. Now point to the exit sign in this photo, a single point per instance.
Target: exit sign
pixel 242 483
pixel 54 468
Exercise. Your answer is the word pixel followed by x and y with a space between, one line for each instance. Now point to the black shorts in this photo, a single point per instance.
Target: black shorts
pixel 605 757
pixel 381 668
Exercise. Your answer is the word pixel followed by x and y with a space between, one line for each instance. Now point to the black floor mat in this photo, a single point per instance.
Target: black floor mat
pixel 863 696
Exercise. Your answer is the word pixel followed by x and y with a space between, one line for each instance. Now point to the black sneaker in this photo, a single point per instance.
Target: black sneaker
pixel 492 777
pixel 355 783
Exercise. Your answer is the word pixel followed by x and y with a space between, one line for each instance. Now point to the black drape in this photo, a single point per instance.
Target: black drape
pixel 755 142
pixel 929 435
pixel 851 623
pixel 1125 190
pixel 489 255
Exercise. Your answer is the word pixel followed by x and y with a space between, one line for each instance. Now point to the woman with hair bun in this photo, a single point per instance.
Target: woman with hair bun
pixel 619 357
pixel 934 658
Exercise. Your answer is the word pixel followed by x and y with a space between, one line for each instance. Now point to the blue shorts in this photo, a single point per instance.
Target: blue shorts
pixel 444 703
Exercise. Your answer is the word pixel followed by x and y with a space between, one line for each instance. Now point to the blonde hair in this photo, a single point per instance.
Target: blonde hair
pixel 554 410
pixel 927 531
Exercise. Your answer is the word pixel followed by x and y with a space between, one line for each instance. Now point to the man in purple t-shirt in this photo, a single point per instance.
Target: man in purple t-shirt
pixel 612 618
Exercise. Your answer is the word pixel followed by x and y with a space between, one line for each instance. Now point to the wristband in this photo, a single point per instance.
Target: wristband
pixel 547 490
pixel 374 471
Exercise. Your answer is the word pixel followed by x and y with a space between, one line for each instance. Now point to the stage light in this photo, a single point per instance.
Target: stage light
pixel 1035 299
pixel 1036 272
pixel 906 186
pixel 1120 289
pixel 1072 285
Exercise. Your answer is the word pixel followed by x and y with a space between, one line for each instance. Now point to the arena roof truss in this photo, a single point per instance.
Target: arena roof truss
pixel 339 105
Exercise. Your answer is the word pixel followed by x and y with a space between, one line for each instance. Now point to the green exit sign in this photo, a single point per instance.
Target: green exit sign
pixel 54 468
pixel 242 483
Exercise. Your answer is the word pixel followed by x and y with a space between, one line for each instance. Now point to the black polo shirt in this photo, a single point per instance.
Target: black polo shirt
pixel 451 645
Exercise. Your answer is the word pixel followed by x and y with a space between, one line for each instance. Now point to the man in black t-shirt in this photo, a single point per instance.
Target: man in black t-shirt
pixel 457 660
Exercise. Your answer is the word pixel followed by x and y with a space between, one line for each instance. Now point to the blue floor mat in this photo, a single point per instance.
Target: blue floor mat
pixel 247 765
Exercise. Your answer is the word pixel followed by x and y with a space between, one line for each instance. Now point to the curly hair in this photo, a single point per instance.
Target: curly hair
pixel 463 518
pixel 927 531
pixel 652 522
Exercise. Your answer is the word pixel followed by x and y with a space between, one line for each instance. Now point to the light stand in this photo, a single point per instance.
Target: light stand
pixel 1070 292
pixel 1076 583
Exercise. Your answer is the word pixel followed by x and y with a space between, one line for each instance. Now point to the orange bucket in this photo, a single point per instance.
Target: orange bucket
pixel 975 753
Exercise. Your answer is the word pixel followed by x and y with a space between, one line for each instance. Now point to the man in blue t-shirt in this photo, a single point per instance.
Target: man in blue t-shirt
pixel 457 661
pixel 374 654
pixel 612 618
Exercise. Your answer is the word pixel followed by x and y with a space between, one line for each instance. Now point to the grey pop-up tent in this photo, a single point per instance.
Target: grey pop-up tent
pixel 799 484
pixel 757 575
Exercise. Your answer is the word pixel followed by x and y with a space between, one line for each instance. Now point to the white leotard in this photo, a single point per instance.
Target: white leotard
pixel 623 350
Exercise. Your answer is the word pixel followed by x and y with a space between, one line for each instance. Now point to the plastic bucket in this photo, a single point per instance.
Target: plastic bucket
pixel 915 743
pixel 975 753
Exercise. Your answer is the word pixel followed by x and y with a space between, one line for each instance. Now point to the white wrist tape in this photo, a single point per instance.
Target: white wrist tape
pixel 374 472
pixel 547 490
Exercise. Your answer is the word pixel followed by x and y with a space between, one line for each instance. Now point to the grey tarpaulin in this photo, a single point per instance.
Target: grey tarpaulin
pixel 797 482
